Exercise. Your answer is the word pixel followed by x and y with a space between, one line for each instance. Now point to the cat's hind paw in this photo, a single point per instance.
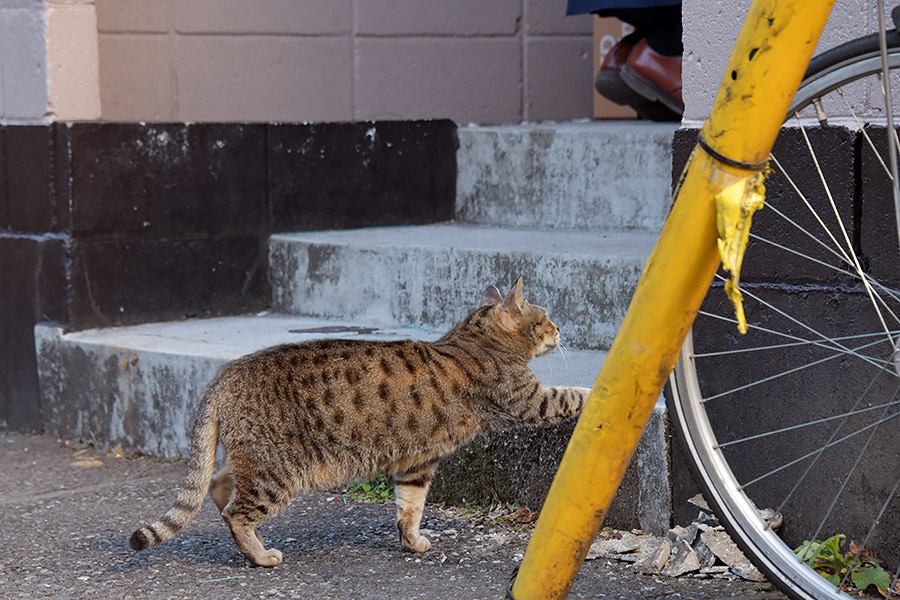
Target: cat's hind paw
pixel 419 544
pixel 269 558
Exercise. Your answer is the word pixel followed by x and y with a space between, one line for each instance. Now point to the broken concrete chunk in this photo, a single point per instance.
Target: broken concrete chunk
pixel 683 534
pixel 718 571
pixel 629 548
pixel 704 554
pixel 655 562
pixel 630 542
pixel 602 548
pixel 728 552
pixel 772 517
pixel 682 560
pixel 700 502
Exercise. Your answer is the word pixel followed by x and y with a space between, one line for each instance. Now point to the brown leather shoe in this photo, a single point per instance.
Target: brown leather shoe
pixel 608 82
pixel 654 76
pixel 617 55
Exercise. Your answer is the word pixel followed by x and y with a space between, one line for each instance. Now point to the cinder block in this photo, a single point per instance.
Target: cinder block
pixel 434 17
pixel 264 16
pixel 342 175
pixel 132 16
pixel 116 282
pixel 835 149
pixel 878 235
pixel 131 94
pixel 2 103
pixel 52 3
pixel 466 80
pixel 549 18
pixel 23 54
pixel 558 79
pixel 27 188
pixel 123 175
pixel 264 78
pixel 72 62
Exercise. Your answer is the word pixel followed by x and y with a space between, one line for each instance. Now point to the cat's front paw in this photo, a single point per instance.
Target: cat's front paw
pixel 418 544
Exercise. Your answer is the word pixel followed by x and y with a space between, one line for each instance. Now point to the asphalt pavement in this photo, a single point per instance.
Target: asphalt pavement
pixel 68 509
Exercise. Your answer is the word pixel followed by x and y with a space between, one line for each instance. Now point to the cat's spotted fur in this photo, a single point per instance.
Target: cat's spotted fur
pixel 322 414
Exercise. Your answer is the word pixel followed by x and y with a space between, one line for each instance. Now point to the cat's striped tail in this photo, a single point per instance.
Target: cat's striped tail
pixel 200 471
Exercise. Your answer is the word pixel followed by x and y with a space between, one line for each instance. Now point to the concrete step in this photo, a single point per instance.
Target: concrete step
pixel 433 275
pixel 138 387
pixel 603 176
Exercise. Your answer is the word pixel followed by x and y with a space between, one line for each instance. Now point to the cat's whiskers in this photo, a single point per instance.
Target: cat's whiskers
pixel 562 352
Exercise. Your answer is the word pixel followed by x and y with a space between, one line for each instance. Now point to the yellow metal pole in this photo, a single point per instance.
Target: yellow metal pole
pixel 766 66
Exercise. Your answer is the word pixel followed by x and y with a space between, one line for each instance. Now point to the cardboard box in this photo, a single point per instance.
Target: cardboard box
pixel 607 32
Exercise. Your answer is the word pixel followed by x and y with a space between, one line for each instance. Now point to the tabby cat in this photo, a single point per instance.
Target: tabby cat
pixel 321 414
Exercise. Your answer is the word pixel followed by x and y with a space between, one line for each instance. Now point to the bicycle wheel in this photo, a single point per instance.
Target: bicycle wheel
pixel 800 415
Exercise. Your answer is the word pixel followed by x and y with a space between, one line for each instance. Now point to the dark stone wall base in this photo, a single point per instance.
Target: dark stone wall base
pixel 105 224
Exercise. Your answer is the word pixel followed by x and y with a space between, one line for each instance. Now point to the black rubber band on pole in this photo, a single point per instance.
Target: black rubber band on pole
pixel 737 164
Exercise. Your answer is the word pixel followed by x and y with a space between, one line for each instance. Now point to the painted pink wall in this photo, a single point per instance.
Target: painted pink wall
pixel 499 61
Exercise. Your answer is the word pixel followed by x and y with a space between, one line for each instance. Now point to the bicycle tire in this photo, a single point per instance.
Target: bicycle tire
pixel 688 412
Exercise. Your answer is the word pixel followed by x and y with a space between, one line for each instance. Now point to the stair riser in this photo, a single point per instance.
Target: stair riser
pixel 118 396
pixel 596 178
pixel 437 287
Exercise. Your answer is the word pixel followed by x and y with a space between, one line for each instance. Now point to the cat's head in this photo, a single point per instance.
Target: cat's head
pixel 526 325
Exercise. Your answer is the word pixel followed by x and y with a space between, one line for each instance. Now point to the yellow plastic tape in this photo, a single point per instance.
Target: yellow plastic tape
pixel 735 206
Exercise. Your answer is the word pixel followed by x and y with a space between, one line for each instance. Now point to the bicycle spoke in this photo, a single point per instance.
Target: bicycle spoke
pixel 845 415
pixel 808 327
pixel 846 480
pixel 809 454
pixel 812 211
pixel 834 434
pixel 818 343
pixel 844 229
pixel 791 371
pixel 779 346
pixel 865 134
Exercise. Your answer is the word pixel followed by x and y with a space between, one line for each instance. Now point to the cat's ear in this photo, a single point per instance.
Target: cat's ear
pixel 491 296
pixel 514 300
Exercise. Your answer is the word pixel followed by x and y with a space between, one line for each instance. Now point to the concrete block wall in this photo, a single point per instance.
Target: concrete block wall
pixel 304 60
pixel 23 66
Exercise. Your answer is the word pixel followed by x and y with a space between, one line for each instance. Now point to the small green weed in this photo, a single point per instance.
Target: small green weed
pixel 378 489
pixel 833 561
